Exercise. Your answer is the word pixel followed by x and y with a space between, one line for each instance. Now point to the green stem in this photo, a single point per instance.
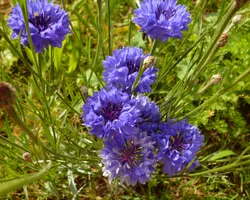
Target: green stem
pixel 12 113
pixel 206 58
pixel 223 168
pixel 136 82
pixel 129 32
pixel 26 20
pixel 11 45
pixel 80 42
pixel 238 79
pixel 99 43
pixel 109 28
pixel 153 47
pixel 168 69
pixel 228 159
pixel 242 154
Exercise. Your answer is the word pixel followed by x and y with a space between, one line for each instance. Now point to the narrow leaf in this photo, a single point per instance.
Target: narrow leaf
pixel 18 183
pixel 222 154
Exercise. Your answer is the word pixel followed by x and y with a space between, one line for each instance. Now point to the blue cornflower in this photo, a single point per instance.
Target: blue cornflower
pixel 121 70
pixel 149 113
pixel 131 160
pixel 47 22
pixel 161 19
pixel 177 145
pixel 112 112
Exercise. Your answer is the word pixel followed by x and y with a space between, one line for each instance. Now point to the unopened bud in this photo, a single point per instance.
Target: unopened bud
pixel 7 95
pixel 216 79
pixel 222 41
pixel 27 157
pixel 148 62
pixel 84 91
pixel 236 19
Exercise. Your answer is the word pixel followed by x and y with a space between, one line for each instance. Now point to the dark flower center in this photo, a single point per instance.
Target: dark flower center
pixel 39 21
pixel 112 111
pixel 131 154
pixel 132 67
pixel 177 143
pixel 167 13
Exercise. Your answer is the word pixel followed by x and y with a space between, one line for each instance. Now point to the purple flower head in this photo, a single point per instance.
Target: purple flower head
pixel 161 19
pixel 149 113
pixel 130 160
pixel 121 70
pixel 47 22
pixel 177 146
pixel 109 113
pixel 149 110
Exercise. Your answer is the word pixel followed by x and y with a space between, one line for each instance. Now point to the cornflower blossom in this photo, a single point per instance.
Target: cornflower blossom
pixel 177 146
pixel 48 24
pixel 149 113
pixel 121 70
pixel 162 19
pixel 131 160
pixel 109 113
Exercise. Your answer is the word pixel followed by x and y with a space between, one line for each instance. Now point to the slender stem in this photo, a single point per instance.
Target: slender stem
pixel 80 42
pixel 24 8
pixel 129 31
pixel 136 82
pixel 99 3
pixel 223 168
pixel 206 58
pixel 168 69
pixel 12 113
pixel 52 66
pixel 27 64
pixel 228 159
pixel 109 28
pixel 238 79
pixel 99 43
pixel 153 47
pixel 242 154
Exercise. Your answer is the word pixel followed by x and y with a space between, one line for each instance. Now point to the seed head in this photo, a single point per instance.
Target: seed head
pixel 222 41
pixel 27 157
pixel 216 79
pixel 236 19
pixel 148 62
pixel 7 95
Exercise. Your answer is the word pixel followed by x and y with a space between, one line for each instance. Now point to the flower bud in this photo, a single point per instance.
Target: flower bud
pixel 216 79
pixel 27 157
pixel 236 19
pixel 84 91
pixel 148 62
pixel 7 95
pixel 222 41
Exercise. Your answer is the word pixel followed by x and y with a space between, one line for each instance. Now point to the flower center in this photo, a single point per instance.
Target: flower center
pixel 112 111
pixel 132 67
pixel 167 13
pixel 39 21
pixel 131 154
pixel 177 143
